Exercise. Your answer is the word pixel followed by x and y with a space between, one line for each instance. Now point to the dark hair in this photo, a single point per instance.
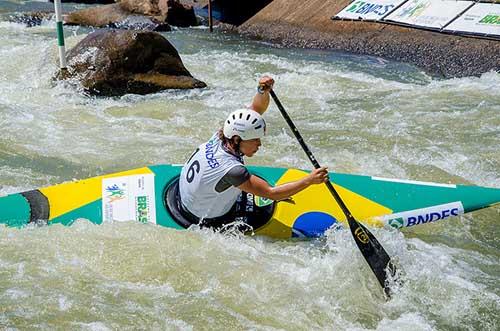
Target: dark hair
pixel 233 142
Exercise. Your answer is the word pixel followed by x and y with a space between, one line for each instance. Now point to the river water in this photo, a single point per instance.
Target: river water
pixel 359 115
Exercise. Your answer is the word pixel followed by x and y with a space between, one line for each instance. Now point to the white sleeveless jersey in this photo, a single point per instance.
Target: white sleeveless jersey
pixel 200 175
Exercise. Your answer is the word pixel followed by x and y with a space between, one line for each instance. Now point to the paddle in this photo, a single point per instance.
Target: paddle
pixel 373 252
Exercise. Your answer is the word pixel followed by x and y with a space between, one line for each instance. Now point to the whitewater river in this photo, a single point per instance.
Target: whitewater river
pixel 359 114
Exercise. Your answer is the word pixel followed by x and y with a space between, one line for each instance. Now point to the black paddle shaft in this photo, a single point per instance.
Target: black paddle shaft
pixel 372 250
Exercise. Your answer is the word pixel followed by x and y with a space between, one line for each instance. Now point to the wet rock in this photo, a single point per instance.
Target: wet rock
pixel 180 15
pixel 116 62
pixel 156 15
pixel 31 19
pixel 145 7
pixel 195 3
pixel 102 2
pixel 114 16
pixel 171 11
pixel 98 17
pixel 139 22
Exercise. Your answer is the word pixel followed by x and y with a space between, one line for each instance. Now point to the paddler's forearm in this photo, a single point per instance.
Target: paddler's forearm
pixel 285 191
pixel 260 102
pixel 261 99
pixel 260 187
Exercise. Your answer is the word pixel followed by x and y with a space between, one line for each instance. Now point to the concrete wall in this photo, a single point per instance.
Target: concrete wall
pixel 307 23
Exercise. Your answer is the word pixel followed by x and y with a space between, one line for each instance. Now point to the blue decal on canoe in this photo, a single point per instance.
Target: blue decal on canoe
pixel 312 224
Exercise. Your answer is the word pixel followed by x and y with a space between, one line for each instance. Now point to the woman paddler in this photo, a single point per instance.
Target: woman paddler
pixel 215 174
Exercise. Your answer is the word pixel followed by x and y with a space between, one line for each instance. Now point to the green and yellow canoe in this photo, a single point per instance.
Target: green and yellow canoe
pixel 141 195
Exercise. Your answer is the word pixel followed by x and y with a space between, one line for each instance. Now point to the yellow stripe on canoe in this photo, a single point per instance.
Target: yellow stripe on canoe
pixel 69 196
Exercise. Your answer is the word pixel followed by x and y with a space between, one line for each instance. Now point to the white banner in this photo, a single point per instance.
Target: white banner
pixel 482 18
pixel 369 10
pixel 428 13
pixel 129 198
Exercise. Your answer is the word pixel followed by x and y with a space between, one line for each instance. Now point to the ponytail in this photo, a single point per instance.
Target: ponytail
pixel 234 142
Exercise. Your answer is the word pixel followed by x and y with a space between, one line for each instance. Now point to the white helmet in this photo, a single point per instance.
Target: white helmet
pixel 246 123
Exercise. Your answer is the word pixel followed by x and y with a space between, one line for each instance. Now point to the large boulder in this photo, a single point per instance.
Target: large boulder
pixel 98 17
pixel 171 11
pixel 152 15
pixel 102 2
pixel 116 62
pixel 180 15
pixel 114 16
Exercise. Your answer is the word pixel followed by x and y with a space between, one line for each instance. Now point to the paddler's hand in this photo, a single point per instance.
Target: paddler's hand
pixel 265 84
pixel 318 176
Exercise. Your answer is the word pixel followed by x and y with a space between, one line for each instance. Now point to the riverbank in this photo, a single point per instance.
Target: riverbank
pixel 294 23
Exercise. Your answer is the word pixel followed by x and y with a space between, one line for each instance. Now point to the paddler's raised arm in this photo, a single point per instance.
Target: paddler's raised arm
pixel 261 99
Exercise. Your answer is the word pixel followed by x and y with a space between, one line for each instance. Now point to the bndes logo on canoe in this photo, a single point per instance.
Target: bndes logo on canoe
pixel 424 215
pixel 431 217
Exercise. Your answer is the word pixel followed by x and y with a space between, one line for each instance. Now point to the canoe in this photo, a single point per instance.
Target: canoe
pixel 148 195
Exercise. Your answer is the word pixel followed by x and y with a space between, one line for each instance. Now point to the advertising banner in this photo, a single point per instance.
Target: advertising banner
pixel 129 198
pixel 482 18
pixel 369 9
pixel 428 13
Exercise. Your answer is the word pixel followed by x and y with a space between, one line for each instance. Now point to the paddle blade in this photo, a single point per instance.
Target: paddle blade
pixel 374 254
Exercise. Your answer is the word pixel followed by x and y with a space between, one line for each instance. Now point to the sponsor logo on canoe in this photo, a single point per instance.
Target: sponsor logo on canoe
pixel 397 222
pixel 361 235
pixel 432 217
pixel 128 198
pixel 424 215
pixel 114 193
pixel 262 202
pixel 365 7
pixel 142 209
